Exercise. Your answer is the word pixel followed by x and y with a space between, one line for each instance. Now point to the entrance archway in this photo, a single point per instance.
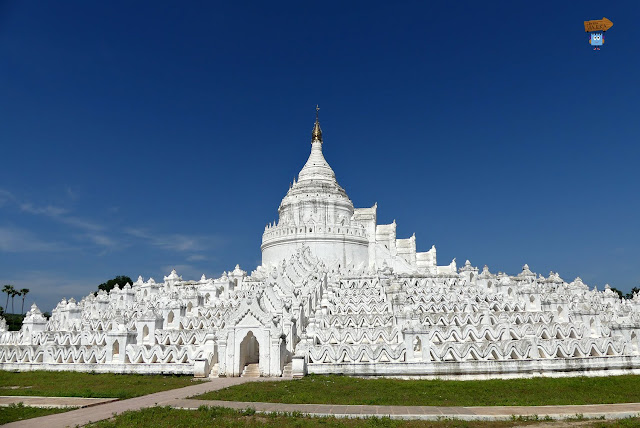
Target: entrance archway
pixel 249 350
pixel 115 351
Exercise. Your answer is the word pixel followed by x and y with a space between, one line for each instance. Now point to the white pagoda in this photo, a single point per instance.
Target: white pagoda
pixel 337 293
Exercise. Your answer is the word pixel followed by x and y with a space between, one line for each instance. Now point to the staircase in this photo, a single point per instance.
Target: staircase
pixel 286 371
pixel 251 370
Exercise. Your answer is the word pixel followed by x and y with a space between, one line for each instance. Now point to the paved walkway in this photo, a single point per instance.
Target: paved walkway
pixel 178 398
pixel 52 402
pixel 608 411
pixel 105 411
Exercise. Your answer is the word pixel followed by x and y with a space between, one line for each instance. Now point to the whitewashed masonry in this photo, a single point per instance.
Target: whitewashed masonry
pixel 337 293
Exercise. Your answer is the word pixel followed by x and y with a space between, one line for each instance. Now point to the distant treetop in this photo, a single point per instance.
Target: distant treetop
pixel 119 281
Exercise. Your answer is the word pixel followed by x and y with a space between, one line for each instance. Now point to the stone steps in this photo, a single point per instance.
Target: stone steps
pixel 286 371
pixel 251 370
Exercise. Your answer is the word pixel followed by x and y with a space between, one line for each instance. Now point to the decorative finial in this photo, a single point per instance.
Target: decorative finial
pixel 316 135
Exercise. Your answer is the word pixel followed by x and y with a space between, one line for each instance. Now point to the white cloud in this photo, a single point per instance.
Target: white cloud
pixel 71 193
pixel 97 234
pixel 94 231
pixel 49 210
pixel 175 241
pixel 196 258
pixel 58 214
pixel 6 197
pixel 101 240
pixel 80 223
pixel 15 240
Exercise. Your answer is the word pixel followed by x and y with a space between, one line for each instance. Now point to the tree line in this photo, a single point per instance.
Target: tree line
pixel 119 281
pixel 13 293
pixel 628 295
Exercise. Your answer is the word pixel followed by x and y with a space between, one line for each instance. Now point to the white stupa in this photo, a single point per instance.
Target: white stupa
pixel 337 293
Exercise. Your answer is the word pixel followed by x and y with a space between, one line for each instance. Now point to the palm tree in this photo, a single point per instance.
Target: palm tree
pixel 9 290
pixel 14 293
pixel 23 293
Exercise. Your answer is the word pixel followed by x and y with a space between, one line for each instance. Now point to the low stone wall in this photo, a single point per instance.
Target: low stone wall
pixel 468 370
pixel 171 368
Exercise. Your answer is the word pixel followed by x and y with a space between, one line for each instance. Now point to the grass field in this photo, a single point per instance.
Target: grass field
pixel 17 412
pixel 515 392
pixel 165 417
pixel 74 384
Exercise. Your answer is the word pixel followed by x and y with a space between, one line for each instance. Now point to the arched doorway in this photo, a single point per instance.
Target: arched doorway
pixel 115 351
pixel 249 351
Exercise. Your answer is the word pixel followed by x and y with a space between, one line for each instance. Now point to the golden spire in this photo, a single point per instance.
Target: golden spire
pixel 316 135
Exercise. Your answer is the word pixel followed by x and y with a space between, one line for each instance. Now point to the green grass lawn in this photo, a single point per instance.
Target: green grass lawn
pixel 17 412
pixel 514 392
pixel 165 417
pixel 74 384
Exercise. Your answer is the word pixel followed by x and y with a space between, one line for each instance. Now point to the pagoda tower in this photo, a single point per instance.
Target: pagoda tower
pixel 316 212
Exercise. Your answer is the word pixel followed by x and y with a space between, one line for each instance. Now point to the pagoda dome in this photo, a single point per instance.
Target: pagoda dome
pixel 317 212
pixel 317 187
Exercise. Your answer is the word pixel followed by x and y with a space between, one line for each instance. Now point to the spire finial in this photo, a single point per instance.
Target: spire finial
pixel 316 135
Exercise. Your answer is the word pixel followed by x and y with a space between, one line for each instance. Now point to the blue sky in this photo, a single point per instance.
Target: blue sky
pixel 141 136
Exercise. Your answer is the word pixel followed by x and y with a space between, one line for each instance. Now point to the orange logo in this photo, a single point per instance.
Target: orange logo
pixel 597 25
